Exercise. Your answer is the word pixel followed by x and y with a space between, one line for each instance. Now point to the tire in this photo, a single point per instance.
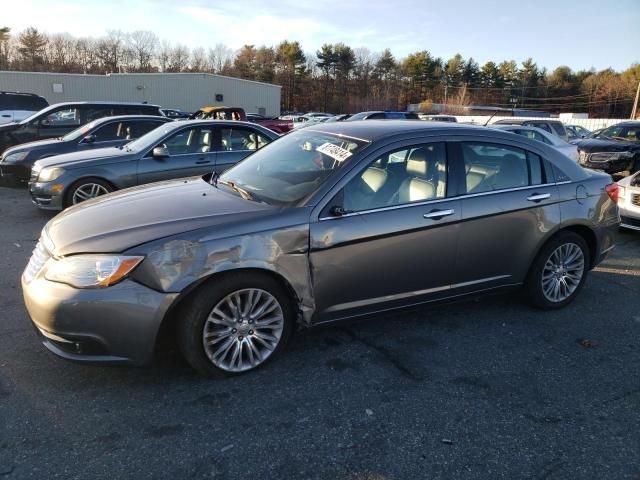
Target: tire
pixel 543 272
pixel 100 186
pixel 199 323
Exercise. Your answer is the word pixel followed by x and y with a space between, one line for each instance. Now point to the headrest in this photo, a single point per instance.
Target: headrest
pixel 375 178
pixel 417 163
pixel 421 190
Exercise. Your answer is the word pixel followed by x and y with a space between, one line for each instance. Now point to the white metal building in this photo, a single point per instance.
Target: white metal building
pixel 186 91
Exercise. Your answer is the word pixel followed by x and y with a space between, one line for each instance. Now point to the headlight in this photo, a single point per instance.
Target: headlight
pixel 609 156
pixel 91 271
pixel 15 157
pixel 49 174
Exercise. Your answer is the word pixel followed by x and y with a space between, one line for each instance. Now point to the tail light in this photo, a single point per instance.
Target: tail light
pixel 612 190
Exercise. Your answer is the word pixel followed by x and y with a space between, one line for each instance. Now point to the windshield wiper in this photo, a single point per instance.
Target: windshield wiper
pixel 241 191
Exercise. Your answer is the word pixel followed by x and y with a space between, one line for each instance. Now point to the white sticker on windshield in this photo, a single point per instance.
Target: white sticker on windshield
pixel 334 151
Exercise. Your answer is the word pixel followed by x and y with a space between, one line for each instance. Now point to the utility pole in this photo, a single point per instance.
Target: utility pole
pixel 635 103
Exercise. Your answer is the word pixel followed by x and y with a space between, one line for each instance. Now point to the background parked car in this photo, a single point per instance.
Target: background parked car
pixel 328 223
pixel 16 162
pixel 576 132
pixel 16 106
pixel 615 149
pixel 543 136
pixel 173 150
pixel 174 113
pixel 59 119
pixel 555 127
pixel 380 115
pixel 275 124
pixel 438 118
pixel 629 201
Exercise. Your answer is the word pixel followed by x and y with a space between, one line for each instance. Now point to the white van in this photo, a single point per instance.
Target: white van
pixel 16 106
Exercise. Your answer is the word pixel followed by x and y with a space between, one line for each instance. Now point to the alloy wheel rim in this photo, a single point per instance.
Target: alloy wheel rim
pixel 87 191
pixel 243 330
pixel 563 272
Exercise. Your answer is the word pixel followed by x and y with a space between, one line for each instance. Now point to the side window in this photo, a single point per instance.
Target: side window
pixel 401 176
pixel 234 139
pixel 539 137
pixel 141 128
pixel 536 169
pixel 94 112
pixel 377 116
pixel 108 132
pixel 65 117
pixel 188 141
pixel 491 167
pixel 558 129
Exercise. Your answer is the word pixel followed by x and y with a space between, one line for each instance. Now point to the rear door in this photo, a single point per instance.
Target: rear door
pixel 395 243
pixel 509 203
pixel 190 153
pixel 236 143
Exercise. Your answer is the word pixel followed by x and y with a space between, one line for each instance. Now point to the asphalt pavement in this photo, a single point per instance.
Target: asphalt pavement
pixel 482 389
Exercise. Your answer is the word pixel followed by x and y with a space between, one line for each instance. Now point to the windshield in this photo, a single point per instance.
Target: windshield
pixel 288 170
pixel 616 132
pixel 37 114
pixel 150 139
pixel 80 132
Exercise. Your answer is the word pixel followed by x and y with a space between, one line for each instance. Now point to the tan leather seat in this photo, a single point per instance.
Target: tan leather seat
pixel 205 142
pixel 416 187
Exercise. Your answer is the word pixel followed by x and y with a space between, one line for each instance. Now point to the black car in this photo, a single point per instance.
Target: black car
pixel 59 119
pixel 175 113
pixel 615 149
pixel 16 162
pixel 380 115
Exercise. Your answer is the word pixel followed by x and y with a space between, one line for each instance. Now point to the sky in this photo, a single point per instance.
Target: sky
pixel 579 33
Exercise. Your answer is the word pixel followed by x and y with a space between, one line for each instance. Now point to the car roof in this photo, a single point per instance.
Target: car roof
pixel 211 121
pixel 100 102
pixel 371 130
pixel 131 117
pixel 627 123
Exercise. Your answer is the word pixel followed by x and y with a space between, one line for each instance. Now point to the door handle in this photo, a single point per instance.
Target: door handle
pixel 536 197
pixel 202 162
pixel 438 214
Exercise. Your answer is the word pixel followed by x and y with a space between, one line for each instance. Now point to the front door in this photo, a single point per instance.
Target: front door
pixel 393 243
pixel 189 153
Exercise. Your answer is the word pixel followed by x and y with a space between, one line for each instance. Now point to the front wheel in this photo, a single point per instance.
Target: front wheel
pixel 558 272
pixel 234 324
pixel 86 189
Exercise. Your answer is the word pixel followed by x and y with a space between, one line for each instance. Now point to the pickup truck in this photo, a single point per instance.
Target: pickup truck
pixel 237 113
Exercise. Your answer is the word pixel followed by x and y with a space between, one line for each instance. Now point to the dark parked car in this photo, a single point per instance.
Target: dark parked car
pixel 379 115
pixel 16 106
pixel 175 113
pixel 555 127
pixel 576 132
pixel 331 222
pixel 59 119
pixel 173 150
pixel 615 149
pixel 105 132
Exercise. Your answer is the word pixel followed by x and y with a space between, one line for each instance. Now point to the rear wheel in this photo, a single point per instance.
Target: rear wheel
pixel 86 189
pixel 558 272
pixel 235 324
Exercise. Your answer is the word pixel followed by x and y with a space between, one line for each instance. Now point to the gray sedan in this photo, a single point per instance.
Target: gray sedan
pixel 173 150
pixel 332 222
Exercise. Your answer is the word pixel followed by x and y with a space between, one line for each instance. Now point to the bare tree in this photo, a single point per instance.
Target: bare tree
pixel 164 53
pixel 142 45
pixel 110 51
pixel 223 55
pixel 178 59
pixel 198 60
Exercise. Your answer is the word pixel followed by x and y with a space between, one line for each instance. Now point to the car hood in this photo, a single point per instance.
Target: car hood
pixel 601 145
pixel 9 127
pixel 122 220
pixel 33 146
pixel 85 158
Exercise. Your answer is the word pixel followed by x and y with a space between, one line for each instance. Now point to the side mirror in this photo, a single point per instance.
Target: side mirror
pixel 44 123
pixel 338 211
pixel 89 139
pixel 160 152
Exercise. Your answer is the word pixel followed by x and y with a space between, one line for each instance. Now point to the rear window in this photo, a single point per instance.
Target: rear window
pixel 29 103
